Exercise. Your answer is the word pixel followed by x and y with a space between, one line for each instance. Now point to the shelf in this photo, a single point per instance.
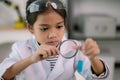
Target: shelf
pixel 80 36
pixel 12 35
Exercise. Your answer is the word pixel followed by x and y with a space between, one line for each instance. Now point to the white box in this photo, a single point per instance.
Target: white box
pixel 100 26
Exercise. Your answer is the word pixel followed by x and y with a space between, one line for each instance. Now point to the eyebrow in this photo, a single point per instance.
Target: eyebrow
pixel 44 24
pixel 60 22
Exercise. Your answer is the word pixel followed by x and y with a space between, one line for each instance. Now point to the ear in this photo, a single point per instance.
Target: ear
pixel 30 28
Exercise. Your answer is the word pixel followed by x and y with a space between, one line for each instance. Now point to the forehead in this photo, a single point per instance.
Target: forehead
pixel 49 17
pixel 51 11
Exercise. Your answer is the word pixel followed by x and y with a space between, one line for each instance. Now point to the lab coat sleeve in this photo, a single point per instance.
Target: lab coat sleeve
pixel 8 62
pixel 103 75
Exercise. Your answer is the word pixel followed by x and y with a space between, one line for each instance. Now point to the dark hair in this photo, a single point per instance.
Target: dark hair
pixel 32 13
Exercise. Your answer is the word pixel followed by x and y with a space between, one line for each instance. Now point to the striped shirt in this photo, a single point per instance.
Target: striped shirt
pixel 52 60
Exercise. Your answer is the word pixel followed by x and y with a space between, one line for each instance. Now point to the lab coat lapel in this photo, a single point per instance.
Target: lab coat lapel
pixel 30 50
pixel 43 71
pixel 58 69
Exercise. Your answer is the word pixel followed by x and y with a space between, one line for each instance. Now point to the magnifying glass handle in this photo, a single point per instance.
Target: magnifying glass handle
pixel 41 55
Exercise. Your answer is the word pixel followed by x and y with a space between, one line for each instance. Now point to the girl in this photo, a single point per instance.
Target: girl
pixel 46 21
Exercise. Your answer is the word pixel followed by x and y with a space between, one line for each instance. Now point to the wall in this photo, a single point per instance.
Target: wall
pixel 110 48
pixel 8 15
pixel 109 7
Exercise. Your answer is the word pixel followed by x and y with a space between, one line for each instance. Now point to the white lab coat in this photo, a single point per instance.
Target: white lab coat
pixel 64 69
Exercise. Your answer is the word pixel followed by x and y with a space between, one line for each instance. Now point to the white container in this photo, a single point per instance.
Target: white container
pixel 100 26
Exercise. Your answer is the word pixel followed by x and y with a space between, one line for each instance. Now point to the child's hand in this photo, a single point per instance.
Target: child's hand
pixel 90 48
pixel 43 52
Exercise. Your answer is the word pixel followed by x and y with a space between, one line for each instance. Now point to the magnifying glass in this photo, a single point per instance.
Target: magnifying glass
pixel 67 50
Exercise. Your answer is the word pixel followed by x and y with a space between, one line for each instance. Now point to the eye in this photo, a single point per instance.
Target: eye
pixel 43 29
pixel 59 26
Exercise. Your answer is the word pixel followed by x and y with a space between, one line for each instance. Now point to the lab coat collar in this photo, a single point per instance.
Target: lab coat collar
pixel 32 44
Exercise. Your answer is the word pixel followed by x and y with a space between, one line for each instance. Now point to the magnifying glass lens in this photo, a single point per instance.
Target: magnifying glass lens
pixel 67 50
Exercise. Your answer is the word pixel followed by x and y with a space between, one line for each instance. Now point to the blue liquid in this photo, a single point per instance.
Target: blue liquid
pixel 80 66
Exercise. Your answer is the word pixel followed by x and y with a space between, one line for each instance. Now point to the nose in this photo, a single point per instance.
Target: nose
pixel 52 35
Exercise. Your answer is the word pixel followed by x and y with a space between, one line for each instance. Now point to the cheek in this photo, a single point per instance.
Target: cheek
pixel 41 38
pixel 61 34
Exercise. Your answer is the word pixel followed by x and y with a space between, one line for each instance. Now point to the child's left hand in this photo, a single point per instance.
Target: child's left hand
pixel 90 48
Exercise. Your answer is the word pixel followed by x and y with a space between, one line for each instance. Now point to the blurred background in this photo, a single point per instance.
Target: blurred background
pixel 99 19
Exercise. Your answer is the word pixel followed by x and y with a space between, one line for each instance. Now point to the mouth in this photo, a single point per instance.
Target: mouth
pixel 53 43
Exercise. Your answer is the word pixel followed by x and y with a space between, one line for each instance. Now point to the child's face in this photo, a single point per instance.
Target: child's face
pixel 49 28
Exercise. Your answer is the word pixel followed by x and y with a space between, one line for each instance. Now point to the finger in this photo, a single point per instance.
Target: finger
pixel 83 47
pixel 88 41
pixel 43 54
pixel 76 47
pixel 90 56
pixel 48 51
pixel 88 52
pixel 92 51
pixel 54 51
pixel 90 45
pixel 57 50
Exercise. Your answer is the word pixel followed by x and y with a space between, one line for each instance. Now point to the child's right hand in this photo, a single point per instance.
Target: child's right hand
pixel 45 51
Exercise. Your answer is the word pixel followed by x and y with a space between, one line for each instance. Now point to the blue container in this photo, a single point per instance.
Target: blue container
pixel 80 66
